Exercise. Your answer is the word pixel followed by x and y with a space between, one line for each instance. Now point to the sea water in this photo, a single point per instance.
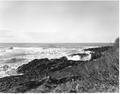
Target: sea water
pixel 13 55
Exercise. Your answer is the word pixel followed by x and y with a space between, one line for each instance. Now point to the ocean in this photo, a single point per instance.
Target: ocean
pixel 13 55
pixel 53 45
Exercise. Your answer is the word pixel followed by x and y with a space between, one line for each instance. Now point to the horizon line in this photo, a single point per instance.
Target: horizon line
pixel 55 42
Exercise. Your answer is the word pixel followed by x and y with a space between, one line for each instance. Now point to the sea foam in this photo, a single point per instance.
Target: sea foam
pixel 17 56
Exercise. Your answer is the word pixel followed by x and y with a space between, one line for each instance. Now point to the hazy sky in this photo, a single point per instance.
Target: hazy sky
pixel 58 21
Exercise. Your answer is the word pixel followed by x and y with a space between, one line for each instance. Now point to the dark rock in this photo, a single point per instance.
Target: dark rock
pixel 11 48
pixel 19 83
pixel 25 86
pixel 99 49
pixel 116 44
pixel 73 91
pixel 45 65
pixel 98 52
pixel 53 72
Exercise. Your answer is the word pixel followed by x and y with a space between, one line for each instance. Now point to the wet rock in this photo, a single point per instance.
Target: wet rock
pixel 11 48
pixel 45 65
pixel 99 49
pixel 54 72
pixel 98 52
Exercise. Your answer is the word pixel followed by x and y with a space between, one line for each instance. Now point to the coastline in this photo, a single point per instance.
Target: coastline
pixel 57 73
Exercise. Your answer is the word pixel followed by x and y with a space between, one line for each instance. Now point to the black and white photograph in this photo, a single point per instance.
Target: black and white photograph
pixel 59 46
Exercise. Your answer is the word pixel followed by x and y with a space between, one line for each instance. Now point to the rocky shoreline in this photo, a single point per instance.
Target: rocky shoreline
pixel 99 74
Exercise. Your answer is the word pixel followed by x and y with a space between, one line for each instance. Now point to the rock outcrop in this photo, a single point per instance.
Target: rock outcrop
pixel 63 75
pixel 116 44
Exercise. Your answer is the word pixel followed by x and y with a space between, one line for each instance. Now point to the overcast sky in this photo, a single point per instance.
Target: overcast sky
pixel 58 21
